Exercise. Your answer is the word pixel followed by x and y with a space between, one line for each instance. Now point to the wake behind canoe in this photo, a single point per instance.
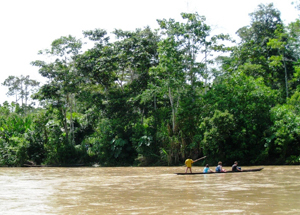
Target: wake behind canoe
pixel 246 170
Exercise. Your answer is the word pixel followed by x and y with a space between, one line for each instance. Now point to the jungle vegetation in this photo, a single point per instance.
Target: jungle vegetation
pixel 156 97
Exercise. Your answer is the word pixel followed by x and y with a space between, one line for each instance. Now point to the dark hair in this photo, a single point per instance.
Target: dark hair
pixel 206 165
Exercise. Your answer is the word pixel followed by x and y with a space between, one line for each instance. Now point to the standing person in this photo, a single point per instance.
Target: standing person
pixel 235 167
pixel 207 169
pixel 219 168
pixel 188 162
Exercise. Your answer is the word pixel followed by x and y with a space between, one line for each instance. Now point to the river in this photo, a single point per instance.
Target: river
pixel 148 190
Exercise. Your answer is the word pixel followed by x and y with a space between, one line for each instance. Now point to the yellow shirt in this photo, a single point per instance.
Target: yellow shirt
pixel 188 162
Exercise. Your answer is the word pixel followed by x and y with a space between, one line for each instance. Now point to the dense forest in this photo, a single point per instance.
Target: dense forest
pixel 156 97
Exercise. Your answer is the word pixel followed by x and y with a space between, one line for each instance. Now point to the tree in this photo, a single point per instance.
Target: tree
pixel 63 80
pixel 20 87
pixel 198 45
pixel 14 89
pixel 286 42
pixel 254 49
pixel 185 55
pixel 282 145
pixel 246 102
pixel 118 72
pixel 170 72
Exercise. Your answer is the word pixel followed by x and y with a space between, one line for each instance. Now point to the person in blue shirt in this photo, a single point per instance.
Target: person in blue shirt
pixel 207 169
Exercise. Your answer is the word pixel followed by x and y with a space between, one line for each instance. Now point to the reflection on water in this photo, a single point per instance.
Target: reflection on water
pixel 150 190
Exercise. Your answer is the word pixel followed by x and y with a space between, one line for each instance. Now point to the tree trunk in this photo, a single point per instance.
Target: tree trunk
pixel 173 110
pixel 71 120
pixel 64 112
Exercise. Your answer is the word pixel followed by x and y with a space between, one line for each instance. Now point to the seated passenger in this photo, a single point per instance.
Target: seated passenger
pixel 235 167
pixel 207 169
pixel 219 168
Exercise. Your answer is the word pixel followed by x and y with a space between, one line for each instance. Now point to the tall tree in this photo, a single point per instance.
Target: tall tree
pixel 185 55
pixel 254 50
pixel 14 86
pixel 62 78
pixel 20 87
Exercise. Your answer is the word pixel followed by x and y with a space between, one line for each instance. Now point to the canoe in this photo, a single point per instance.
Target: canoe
pixel 244 170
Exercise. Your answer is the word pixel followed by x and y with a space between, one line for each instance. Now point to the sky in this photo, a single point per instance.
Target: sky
pixel 28 26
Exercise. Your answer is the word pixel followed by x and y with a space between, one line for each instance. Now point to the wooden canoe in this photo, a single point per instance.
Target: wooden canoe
pixel 244 170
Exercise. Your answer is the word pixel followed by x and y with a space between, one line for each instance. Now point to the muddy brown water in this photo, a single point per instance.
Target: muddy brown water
pixel 149 190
